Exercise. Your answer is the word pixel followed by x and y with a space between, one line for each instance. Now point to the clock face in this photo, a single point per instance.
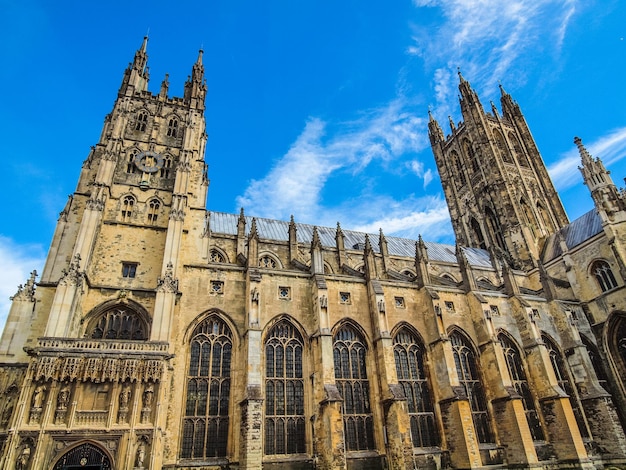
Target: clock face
pixel 149 162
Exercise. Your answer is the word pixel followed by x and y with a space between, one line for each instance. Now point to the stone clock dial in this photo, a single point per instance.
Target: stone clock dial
pixel 149 162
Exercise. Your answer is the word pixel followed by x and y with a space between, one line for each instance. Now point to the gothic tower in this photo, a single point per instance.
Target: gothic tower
pixel 496 184
pixel 111 275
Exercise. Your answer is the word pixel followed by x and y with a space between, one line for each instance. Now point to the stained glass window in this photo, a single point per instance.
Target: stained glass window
pixel 206 420
pixel 284 391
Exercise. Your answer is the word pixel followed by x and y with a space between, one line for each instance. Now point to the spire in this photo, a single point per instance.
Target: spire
pixel 468 95
pixel 165 84
pixel 452 126
pixel 195 87
pixel 434 130
pixel 509 106
pixel 136 75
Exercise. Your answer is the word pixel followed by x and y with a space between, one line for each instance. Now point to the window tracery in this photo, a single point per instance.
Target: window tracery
pixel 165 170
pixel 519 152
pixel 604 275
pixel 216 257
pixel 409 356
pixel 153 211
pixel 130 161
pixel 206 420
pixel 172 127
pixel 142 121
pixel 120 323
pixel 349 351
pixel 268 262
pixel 128 204
pixel 520 383
pixel 284 391
pixel 467 371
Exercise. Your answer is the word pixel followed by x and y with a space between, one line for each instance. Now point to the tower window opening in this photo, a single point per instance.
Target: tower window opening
pixel 142 121
pixel 604 275
pixel 128 203
pixel 165 169
pixel 129 270
pixel 153 211
pixel 172 128
pixel 130 162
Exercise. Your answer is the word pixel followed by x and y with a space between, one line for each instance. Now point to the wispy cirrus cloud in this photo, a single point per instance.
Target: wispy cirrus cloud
pixel 488 40
pixel 17 262
pixel 381 136
pixel 611 148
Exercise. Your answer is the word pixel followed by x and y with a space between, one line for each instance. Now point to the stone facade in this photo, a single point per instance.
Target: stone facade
pixel 162 335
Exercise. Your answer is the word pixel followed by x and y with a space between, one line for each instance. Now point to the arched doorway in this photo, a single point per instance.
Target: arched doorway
pixel 84 457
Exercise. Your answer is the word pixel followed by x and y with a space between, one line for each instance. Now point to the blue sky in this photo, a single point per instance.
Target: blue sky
pixel 315 108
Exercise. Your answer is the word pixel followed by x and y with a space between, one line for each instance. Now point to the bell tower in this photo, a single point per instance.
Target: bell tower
pixel 496 184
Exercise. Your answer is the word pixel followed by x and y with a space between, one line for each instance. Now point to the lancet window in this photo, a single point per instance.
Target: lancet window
pixel 172 127
pixel 520 383
pixel 153 211
pixel 119 322
pixel 166 168
pixel 142 121
pixel 467 371
pixel 130 161
pixel 284 391
pixel 206 419
pixel 409 356
pixel 349 351
pixel 128 204
pixel 604 275
pixel 565 382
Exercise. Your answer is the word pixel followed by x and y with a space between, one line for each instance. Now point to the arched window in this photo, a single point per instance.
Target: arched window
pixel 130 161
pixel 519 152
pixel 267 261
pixel 119 322
pixel 84 456
pixel 216 257
pixel 520 383
pixel 153 211
pixel 409 355
pixel 480 239
pixel 205 425
pixel 166 168
pixel 596 361
pixel 284 391
pixel 128 203
pixel 471 155
pixel 349 353
pixel 602 271
pixel 456 163
pixel 467 371
pixel 494 226
pixel 544 215
pixel 142 121
pixel 529 218
pixel 502 147
pixel 565 382
pixel 172 127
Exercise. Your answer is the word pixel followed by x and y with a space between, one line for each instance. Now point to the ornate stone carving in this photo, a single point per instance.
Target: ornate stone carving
pixel 147 399
pixel 124 400
pixel 23 456
pixel 63 399
pixel 38 399
pixel 72 276
pixel 27 291
pixel 168 283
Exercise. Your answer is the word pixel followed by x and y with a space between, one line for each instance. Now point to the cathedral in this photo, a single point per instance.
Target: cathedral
pixel 162 335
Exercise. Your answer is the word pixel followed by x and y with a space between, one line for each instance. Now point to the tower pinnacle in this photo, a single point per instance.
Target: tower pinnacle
pixel 136 75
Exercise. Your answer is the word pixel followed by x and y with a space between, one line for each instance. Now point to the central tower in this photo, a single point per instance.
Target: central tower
pixel 496 184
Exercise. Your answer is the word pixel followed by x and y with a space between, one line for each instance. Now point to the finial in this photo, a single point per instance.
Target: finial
pixel 200 52
pixel 144 44
pixel 458 71
pixel 430 114
pixel 452 126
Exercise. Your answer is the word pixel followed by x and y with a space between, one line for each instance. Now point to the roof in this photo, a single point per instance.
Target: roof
pixel 585 227
pixel 278 230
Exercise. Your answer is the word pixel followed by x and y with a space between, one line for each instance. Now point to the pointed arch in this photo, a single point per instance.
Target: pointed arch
pixel 350 361
pixel 601 270
pixel 519 380
pixel 153 210
pixel 173 129
pixel 615 340
pixel 165 171
pixel 596 360
pixel 478 233
pixel 529 218
pixel 217 255
pixel 141 120
pixel 457 166
pixel 128 203
pixel 285 421
pixel 409 354
pixel 522 159
pixel 493 225
pixel 116 320
pixel 466 362
pixel 269 261
pixel 207 395
pixel 87 454
pixel 564 380
pixel 501 147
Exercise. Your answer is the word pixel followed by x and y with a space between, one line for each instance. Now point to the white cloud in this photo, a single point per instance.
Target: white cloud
pixel 488 40
pixel 610 148
pixel 295 183
pixel 17 262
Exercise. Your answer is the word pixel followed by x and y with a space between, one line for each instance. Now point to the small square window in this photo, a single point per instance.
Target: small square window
pixel 217 287
pixel 129 270
pixel 494 310
pixel 450 307
pixel 344 297
pixel 284 293
pixel 399 302
pixel 535 314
